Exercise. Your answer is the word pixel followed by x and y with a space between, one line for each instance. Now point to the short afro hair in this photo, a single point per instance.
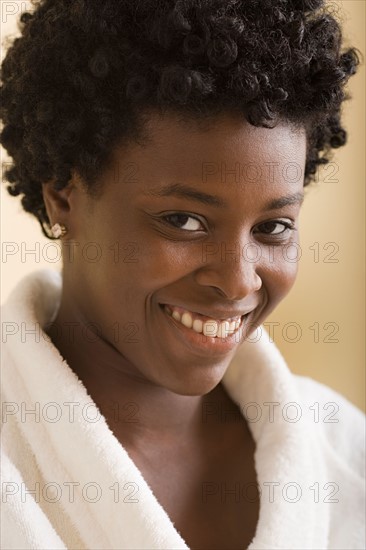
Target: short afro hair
pixel 79 79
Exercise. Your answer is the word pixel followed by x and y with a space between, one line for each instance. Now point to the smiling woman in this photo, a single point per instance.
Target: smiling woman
pixel 168 145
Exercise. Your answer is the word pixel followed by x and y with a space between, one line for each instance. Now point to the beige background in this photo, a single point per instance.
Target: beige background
pixel 327 296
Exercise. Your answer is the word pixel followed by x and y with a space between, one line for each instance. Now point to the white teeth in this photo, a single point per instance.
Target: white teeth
pixel 224 330
pixel 187 320
pixel 197 325
pixel 176 315
pixel 211 327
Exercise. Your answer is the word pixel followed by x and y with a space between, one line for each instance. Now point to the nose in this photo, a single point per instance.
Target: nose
pixel 233 274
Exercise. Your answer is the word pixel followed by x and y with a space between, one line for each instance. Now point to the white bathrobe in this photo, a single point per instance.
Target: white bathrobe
pixel 67 482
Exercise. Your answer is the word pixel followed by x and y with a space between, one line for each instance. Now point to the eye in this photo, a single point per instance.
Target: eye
pixel 183 221
pixel 270 227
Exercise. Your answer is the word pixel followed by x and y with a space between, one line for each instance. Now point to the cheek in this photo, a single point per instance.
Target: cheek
pixel 278 277
pixel 168 262
pixel 127 273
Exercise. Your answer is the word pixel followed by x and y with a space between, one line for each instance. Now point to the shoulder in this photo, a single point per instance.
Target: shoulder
pixel 338 422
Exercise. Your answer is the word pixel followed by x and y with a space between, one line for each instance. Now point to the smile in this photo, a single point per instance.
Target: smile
pixel 215 328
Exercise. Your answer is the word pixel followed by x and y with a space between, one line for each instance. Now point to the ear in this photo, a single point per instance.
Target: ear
pixel 58 203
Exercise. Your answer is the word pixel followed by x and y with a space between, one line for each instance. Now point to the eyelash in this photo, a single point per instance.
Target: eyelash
pixel 289 226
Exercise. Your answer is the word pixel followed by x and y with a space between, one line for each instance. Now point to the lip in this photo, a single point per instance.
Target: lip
pixel 205 345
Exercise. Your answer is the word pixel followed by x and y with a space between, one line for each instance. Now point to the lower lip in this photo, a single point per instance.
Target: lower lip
pixel 199 343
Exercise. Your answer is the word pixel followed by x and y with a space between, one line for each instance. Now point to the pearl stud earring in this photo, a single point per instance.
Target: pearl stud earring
pixel 59 230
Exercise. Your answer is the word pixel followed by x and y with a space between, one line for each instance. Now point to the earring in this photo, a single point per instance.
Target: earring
pixel 59 230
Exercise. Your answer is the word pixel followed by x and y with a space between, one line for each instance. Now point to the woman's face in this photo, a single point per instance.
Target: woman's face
pixel 185 221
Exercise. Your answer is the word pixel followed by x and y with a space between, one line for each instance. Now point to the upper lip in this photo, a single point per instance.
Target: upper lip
pixel 215 313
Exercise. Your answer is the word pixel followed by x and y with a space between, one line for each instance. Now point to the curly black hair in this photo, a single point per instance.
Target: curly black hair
pixel 83 74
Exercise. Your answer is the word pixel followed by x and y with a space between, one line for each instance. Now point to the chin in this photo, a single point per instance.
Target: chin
pixel 197 384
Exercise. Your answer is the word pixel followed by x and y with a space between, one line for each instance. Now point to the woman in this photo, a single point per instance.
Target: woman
pixel 168 144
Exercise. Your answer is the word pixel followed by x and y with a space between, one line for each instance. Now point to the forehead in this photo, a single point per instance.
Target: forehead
pixel 171 140
pixel 172 129
pixel 211 152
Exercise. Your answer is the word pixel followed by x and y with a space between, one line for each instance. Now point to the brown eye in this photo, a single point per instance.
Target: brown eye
pixel 269 228
pixel 184 221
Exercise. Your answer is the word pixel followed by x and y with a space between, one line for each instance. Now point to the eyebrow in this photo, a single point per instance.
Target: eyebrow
pixel 185 192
